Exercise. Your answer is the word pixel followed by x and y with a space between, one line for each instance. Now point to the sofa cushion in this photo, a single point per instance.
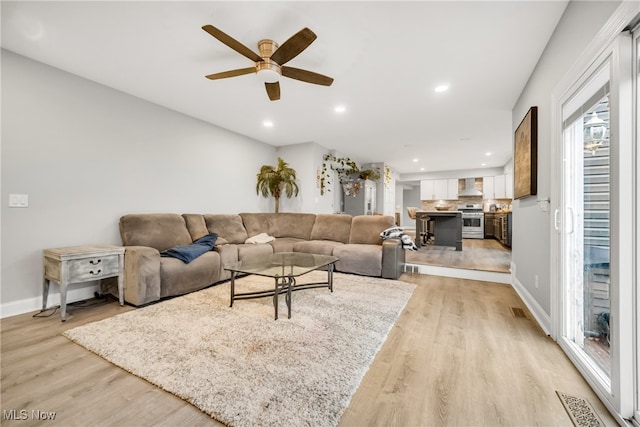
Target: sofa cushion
pixel 179 278
pixel 196 225
pixel 253 252
pixel 366 229
pixel 321 247
pixel 284 244
pixel 360 259
pixel 228 227
pixel 157 230
pixel 287 224
pixel 335 227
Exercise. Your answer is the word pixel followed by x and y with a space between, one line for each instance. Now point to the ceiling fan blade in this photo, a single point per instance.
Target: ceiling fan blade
pixel 231 73
pixel 293 46
pixel 273 90
pixel 306 76
pixel 232 43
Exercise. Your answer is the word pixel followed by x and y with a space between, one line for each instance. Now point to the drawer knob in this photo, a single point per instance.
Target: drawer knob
pixel 92 262
pixel 96 273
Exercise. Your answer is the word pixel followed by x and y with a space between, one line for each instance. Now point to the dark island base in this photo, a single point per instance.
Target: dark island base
pixel 447 227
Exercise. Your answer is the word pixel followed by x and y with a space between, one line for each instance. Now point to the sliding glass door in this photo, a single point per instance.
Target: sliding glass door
pixel 586 235
pixel 595 227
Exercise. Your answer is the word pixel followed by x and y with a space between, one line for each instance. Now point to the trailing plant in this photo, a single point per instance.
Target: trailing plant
pixel 276 181
pixel 387 176
pixel 346 169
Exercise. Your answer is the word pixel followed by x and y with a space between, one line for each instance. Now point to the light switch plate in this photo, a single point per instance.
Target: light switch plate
pixel 18 200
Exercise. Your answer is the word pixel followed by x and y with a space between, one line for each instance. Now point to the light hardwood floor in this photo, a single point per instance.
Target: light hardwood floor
pixel 476 254
pixel 457 356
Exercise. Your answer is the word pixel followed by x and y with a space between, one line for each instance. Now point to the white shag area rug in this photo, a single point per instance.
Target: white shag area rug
pixel 244 368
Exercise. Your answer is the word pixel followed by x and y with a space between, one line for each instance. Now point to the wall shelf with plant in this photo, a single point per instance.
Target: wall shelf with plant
pixel 348 174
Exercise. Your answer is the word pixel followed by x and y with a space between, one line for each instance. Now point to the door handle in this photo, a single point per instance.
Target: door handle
pixel 556 225
pixel 572 218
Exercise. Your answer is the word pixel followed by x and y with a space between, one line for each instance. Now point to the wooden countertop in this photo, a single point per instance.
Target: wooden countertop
pixel 439 213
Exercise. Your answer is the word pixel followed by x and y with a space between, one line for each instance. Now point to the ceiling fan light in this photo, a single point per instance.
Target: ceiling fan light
pixel 268 71
pixel 268 76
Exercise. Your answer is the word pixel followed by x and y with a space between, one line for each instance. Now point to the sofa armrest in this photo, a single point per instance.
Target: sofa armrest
pixel 393 259
pixel 141 275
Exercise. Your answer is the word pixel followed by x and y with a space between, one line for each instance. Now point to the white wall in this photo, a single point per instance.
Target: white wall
pixel 531 226
pixel 86 154
pixel 306 159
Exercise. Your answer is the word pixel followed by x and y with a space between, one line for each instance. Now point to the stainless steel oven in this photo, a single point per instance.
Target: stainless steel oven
pixel 472 221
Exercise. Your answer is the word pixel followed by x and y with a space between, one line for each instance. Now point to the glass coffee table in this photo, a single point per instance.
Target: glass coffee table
pixel 284 268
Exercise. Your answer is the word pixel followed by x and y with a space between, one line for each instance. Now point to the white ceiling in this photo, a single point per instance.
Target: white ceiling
pixel 386 59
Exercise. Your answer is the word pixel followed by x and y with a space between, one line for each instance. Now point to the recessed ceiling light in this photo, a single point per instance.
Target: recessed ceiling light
pixel 488 153
pixel 340 109
pixel 267 124
pixel 415 160
pixel 442 88
pixel 483 164
pixel 421 169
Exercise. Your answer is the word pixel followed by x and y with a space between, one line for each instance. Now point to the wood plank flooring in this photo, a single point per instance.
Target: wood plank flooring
pixel 476 254
pixel 457 356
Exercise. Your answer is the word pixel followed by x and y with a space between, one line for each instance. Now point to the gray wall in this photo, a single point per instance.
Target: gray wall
pixel 87 154
pixel 531 226
pixel 410 198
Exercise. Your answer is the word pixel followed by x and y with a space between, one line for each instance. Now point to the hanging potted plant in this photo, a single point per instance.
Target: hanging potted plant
pixel 277 181
pixel 349 174
pixel 369 174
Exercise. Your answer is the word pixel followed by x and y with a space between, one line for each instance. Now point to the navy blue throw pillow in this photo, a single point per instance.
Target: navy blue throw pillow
pixel 187 253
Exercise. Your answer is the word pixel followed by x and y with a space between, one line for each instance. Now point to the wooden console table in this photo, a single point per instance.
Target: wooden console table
pixel 76 264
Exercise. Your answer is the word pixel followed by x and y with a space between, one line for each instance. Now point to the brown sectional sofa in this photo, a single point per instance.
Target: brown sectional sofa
pixel 149 277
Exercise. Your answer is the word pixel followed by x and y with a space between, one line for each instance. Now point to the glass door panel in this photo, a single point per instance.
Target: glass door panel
pixel 586 232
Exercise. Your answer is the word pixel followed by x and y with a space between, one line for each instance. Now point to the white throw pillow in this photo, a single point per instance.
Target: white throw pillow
pixel 260 238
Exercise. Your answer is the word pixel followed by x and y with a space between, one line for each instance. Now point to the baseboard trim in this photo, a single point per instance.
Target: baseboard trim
pixel 459 273
pixel 28 305
pixel 541 316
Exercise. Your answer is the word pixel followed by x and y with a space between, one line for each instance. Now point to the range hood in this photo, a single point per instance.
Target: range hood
pixel 470 188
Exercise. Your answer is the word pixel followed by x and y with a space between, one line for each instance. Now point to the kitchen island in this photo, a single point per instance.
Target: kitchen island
pixel 447 229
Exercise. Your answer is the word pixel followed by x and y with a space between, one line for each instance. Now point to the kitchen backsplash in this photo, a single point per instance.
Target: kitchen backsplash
pixel 430 205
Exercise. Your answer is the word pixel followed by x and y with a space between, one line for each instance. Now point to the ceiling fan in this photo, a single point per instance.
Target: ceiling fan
pixel 269 64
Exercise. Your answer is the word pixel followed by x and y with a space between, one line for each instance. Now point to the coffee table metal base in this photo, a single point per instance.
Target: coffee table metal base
pixel 283 285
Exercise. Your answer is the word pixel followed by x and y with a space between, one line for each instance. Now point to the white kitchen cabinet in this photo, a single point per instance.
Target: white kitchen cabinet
pixel 508 185
pixel 452 189
pixel 488 188
pixel 439 189
pixel 499 187
pixel 426 189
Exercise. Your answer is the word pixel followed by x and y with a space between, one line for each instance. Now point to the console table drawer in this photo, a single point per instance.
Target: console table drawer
pixel 93 268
